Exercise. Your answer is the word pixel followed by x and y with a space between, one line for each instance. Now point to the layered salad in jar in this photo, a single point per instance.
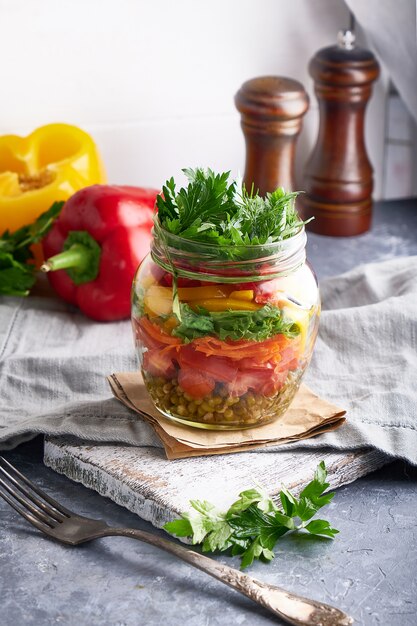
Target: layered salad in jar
pixel 225 308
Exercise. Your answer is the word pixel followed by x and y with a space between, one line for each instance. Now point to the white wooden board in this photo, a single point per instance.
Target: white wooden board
pixel 146 483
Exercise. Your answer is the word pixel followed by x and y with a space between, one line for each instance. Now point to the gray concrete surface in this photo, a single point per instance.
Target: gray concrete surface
pixel 369 570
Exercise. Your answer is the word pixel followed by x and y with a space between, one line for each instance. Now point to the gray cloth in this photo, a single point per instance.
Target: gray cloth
pixel 365 358
pixel 53 368
pixel 53 364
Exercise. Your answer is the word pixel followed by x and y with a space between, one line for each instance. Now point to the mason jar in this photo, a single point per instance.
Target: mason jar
pixel 224 334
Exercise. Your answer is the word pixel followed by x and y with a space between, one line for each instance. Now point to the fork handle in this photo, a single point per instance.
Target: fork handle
pixel 288 606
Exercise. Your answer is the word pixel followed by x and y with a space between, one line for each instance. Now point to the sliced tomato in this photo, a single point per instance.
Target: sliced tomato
pixel 249 363
pixel 196 384
pixel 265 381
pixel 167 281
pixel 268 291
pixel 245 286
pixel 219 368
pixel 160 362
pixel 248 379
pixel 288 359
pixel 271 387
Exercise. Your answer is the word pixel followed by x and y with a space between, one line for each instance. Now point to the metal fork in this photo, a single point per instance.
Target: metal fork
pixel 53 519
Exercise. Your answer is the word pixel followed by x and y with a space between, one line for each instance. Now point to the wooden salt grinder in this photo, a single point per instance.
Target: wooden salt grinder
pixel 271 109
pixel 338 177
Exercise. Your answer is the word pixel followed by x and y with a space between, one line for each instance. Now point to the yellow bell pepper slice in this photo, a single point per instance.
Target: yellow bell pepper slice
pixel 301 317
pixel 189 294
pixel 158 300
pixel 170 324
pixel 226 304
pixel 48 165
pixel 243 294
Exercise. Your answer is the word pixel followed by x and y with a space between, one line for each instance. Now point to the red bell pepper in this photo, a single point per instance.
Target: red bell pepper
pixel 95 246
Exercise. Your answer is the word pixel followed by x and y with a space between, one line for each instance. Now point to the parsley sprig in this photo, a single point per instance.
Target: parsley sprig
pixel 253 524
pixel 215 211
pixel 202 206
pixel 17 271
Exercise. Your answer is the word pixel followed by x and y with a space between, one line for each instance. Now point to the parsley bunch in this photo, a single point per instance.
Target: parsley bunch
pixel 254 523
pixel 211 210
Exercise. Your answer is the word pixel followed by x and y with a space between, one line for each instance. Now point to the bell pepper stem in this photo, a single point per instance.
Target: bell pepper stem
pixel 76 256
pixel 80 258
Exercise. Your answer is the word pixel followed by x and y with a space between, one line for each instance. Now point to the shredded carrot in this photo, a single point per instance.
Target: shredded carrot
pixel 260 351
pixel 156 332
pixel 270 350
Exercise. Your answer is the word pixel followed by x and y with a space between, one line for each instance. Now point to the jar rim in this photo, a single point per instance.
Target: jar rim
pixel 193 259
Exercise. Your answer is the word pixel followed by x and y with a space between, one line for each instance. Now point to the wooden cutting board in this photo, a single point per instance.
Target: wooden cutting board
pixel 146 483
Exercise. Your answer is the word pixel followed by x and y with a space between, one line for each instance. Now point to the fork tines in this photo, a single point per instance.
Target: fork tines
pixel 27 499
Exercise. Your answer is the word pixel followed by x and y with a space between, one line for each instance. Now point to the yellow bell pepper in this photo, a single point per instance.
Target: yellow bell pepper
pixel 188 294
pixel 49 165
pixel 242 294
pixel 301 318
pixel 158 300
pixel 225 304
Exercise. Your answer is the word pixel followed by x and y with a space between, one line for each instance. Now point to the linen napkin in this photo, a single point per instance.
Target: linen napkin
pixel 308 416
pixel 54 363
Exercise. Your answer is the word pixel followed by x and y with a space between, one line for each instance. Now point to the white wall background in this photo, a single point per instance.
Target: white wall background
pixel 154 81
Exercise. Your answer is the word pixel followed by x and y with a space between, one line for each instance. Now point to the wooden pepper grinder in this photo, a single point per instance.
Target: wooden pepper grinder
pixel 338 177
pixel 271 109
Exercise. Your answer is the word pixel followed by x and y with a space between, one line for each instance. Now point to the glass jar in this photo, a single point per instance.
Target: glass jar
pixel 224 335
